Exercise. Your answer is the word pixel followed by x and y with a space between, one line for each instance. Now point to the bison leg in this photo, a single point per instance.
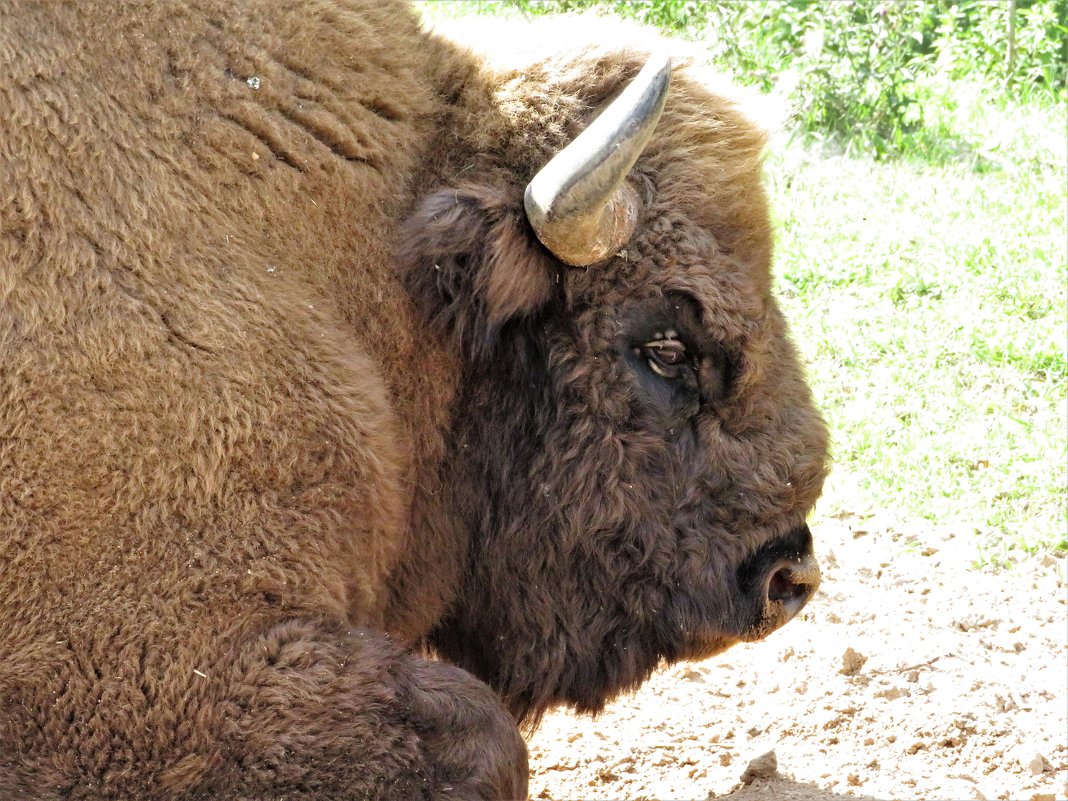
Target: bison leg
pixel 292 711
pixel 348 716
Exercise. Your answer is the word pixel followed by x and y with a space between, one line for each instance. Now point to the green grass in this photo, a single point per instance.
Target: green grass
pixel 929 302
pixel 927 292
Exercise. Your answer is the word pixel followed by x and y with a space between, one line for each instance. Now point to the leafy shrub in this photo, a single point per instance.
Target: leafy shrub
pixel 854 72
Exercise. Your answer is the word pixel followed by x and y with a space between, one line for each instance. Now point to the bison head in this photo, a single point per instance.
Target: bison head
pixel 635 449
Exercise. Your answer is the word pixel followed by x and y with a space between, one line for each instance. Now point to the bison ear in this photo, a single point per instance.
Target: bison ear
pixel 472 261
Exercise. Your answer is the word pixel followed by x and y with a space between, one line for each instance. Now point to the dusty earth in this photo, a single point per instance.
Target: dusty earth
pixel 912 675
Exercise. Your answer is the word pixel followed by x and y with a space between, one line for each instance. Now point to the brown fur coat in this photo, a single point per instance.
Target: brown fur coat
pixel 227 502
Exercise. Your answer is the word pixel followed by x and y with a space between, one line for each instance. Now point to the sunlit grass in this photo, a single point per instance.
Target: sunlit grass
pixel 929 301
pixel 928 296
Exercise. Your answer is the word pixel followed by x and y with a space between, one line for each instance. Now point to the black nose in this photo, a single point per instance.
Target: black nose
pixel 792 583
pixel 776 582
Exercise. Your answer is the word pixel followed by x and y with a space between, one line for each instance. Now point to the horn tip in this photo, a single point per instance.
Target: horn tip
pixel 659 60
pixel 657 67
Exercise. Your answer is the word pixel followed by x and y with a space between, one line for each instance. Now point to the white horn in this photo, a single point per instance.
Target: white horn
pixel 579 204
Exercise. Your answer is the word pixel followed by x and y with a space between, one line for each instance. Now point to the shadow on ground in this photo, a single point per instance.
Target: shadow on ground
pixel 785 790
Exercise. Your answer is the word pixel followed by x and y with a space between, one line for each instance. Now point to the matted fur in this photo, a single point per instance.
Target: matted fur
pixel 289 390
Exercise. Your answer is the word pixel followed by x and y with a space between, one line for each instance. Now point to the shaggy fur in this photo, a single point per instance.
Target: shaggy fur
pixel 289 391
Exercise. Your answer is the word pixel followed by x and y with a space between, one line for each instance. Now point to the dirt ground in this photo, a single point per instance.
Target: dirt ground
pixel 912 675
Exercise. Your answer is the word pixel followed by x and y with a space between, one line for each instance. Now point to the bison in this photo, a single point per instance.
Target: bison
pixel 362 397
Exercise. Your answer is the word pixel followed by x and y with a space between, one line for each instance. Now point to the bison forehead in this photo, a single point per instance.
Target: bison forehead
pixel 669 255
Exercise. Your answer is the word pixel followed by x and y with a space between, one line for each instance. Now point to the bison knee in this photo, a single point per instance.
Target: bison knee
pixel 332 715
pixel 469 736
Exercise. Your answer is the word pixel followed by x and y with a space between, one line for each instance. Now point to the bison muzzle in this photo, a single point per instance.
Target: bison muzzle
pixel 364 394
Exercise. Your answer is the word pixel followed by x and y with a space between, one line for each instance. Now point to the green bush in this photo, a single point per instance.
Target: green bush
pixel 859 72
pixel 974 36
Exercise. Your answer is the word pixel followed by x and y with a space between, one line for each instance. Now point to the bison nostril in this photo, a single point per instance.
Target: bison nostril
pixel 775 583
pixel 793 584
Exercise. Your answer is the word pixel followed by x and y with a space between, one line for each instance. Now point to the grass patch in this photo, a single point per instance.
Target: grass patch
pixel 925 274
pixel 929 302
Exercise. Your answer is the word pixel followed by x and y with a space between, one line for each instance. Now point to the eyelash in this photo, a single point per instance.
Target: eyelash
pixel 665 356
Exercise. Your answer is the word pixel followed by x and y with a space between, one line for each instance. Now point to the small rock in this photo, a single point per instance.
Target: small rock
pixel 974 622
pixel 853 780
pixel 991 789
pixel 913 676
pixel 765 766
pixel 1038 764
pixel 606 775
pixel 892 693
pixel 852 662
pixel 725 758
pixel 689 674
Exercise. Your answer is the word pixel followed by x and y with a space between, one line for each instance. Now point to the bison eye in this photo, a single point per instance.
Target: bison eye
pixel 665 356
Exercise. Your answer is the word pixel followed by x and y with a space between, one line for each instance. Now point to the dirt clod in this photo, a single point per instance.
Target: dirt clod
pixel 852 662
pixel 765 766
pixel 1038 765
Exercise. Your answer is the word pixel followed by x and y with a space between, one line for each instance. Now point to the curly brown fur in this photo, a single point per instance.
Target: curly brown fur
pixel 610 525
pixel 288 388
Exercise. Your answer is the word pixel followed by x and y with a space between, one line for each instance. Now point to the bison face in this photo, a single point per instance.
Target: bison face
pixel 635 449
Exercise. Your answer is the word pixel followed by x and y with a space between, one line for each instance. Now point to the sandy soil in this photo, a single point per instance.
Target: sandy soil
pixel 912 675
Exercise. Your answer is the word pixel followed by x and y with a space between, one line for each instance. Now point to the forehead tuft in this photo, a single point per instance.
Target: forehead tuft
pixel 680 259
